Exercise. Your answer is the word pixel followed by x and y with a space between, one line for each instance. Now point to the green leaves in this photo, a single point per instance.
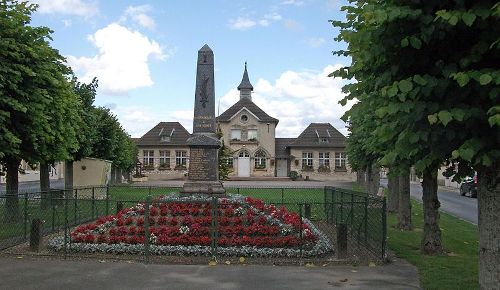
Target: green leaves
pixel 392 91
pixel 405 86
pixel 419 80
pixel 461 78
pixel 468 18
pixel 445 117
pixel 485 79
pixel 404 42
pixel 415 42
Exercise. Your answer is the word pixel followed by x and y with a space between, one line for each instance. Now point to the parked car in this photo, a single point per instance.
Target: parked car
pixel 468 187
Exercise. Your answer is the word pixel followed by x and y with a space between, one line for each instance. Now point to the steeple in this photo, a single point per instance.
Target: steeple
pixel 245 86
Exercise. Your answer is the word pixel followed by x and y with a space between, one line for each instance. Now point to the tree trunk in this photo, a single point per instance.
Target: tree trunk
pixel 488 198
pixel 368 184
pixel 358 177
pixel 362 178
pixel 431 240
pixel 393 196
pixel 45 184
pixel 68 179
pixel 373 174
pixel 374 179
pixel 12 213
pixel 404 204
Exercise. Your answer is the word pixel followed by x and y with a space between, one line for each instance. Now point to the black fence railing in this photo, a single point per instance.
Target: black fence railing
pixel 158 221
pixel 364 216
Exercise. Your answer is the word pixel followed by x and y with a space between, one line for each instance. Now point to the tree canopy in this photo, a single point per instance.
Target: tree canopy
pixel 426 74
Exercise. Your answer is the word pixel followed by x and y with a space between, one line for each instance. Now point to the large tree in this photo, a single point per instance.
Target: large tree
pixel 433 67
pixel 37 105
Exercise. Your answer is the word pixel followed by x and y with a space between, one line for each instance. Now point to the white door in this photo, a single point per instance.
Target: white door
pixel 281 165
pixel 244 164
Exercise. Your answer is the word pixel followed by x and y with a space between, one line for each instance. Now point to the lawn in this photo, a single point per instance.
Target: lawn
pixel 457 269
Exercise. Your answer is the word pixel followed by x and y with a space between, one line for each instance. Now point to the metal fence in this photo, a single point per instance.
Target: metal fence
pixel 364 216
pixel 128 220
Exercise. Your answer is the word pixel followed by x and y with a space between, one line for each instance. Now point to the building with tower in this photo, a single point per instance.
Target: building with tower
pixel 318 152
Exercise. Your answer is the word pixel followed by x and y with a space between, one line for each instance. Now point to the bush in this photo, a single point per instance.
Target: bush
pixel 293 175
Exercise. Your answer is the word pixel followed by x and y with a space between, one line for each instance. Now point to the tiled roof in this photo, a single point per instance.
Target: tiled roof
pixel 320 135
pixel 174 131
pixel 280 145
pixel 247 103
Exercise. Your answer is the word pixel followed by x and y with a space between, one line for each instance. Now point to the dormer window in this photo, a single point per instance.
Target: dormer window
pixel 165 138
pixel 244 118
pixel 323 140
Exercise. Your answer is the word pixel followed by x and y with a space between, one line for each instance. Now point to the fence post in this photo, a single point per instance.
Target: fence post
pixel 25 214
pixel 342 206
pixel 351 213
pixel 300 228
pixel 93 202
pixel 342 240
pixel 146 228
pixel 65 226
pixel 282 196
pixel 53 212
pixel 238 190
pixel 366 219
pixel 76 204
pixel 334 205
pixel 384 227
pixel 107 199
pixel 149 190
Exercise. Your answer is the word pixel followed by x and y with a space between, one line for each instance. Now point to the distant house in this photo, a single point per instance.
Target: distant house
pixel 318 152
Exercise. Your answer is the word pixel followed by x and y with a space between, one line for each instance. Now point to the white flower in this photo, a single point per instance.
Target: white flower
pixel 184 229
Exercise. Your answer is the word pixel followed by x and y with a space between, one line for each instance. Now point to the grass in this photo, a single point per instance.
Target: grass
pixel 457 269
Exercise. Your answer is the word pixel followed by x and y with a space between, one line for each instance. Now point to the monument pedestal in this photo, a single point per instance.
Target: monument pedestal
pixel 203 174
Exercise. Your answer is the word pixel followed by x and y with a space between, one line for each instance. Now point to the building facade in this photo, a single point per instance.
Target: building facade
pixel 318 152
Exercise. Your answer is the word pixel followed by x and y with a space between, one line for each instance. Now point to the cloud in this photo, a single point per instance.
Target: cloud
pixel 315 42
pixel 245 23
pixel 293 2
pixel 122 63
pixel 136 120
pixel 139 15
pixel 241 23
pixel 298 99
pixel 82 8
pixel 292 25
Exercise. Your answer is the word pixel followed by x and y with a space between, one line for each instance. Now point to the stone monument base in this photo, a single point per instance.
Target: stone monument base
pixel 203 187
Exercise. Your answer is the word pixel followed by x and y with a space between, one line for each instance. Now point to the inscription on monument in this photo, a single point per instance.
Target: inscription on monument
pixel 200 161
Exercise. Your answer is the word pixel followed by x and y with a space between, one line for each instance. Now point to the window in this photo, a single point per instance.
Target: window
pixel 340 160
pixel 165 138
pixel 307 160
pixel 229 162
pixel 323 140
pixel 260 160
pixel 324 159
pixel 252 135
pixel 180 159
pixel 236 134
pixel 244 154
pixel 148 159
pixel 244 118
pixel 165 158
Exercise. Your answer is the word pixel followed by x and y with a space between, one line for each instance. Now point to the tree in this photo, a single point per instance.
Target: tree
pixel 224 154
pixel 434 103
pixel 36 104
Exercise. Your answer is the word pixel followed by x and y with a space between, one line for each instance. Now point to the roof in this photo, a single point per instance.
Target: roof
pixel 280 147
pixel 322 135
pixel 245 82
pixel 177 133
pixel 249 105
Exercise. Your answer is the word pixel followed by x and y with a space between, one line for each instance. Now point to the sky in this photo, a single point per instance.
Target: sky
pixel 144 55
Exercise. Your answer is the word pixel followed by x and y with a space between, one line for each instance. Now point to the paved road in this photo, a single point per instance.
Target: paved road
pixel 28 273
pixel 451 201
pixel 34 186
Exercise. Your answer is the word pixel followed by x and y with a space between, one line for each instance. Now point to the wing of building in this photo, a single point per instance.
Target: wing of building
pixel 318 152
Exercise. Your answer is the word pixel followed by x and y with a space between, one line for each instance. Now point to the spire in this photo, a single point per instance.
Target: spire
pixel 245 86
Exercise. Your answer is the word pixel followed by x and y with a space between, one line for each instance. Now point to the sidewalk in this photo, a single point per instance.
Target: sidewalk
pixel 36 273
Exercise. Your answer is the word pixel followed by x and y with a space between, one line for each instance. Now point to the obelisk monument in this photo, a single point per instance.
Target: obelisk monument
pixel 203 171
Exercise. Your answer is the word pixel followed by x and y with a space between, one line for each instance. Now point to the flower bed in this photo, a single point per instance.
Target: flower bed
pixel 188 225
